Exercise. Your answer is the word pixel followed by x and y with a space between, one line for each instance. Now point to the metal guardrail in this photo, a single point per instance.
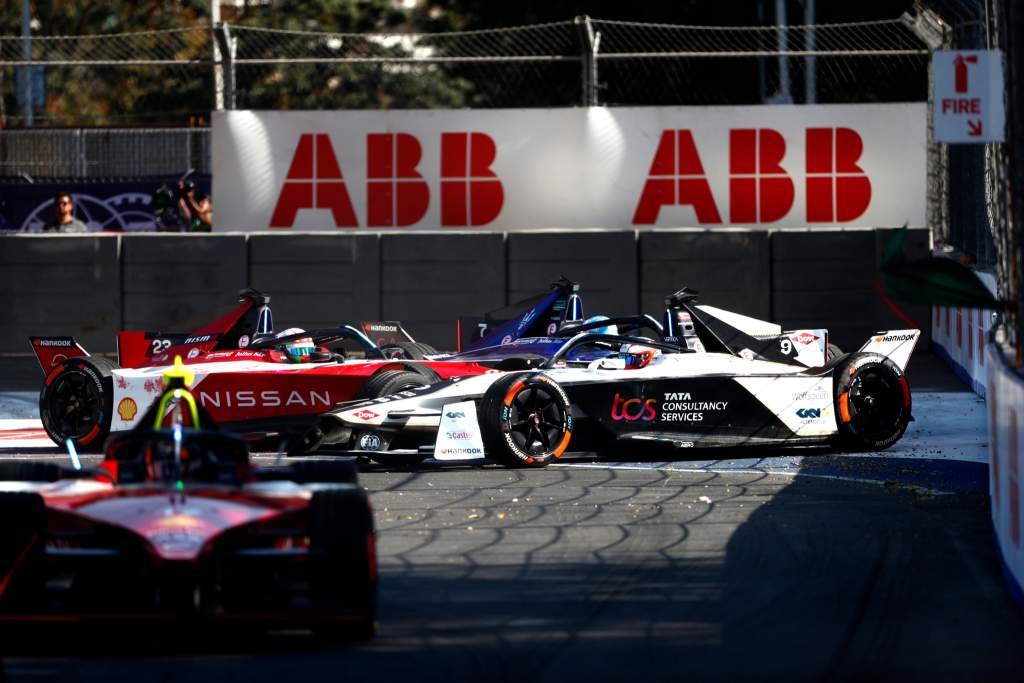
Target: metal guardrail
pixel 84 153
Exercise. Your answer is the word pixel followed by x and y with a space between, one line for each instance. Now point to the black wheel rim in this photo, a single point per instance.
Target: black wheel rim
pixel 74 404
pixel 875 403
pixel 536 420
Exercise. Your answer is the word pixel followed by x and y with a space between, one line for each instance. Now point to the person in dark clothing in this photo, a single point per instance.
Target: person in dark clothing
pixel 65 220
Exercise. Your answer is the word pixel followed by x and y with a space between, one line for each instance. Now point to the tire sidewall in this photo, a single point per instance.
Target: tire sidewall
pixel 849 369
pixel 99 376
pixel 498 429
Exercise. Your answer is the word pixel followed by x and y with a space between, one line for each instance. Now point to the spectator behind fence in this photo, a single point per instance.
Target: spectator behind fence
pixel 65 220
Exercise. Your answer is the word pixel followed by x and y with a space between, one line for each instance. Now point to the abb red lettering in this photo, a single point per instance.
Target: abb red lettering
pixel 760 190
pixel 838 190
pixel 314 180
pixel 396 194
pixel 471 193
pixel 676 178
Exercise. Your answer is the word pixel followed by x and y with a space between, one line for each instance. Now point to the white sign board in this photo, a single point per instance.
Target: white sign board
pixel 968 101
pixel 617 168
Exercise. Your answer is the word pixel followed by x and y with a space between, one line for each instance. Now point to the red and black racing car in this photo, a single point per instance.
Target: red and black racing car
pixel 175 523
pixel 253 381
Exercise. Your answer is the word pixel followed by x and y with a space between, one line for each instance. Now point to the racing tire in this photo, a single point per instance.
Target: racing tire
pixel 408 350
pixel 832 353
pixel 388 382
pixel 525 420
pixel 343 566
pixel 76 401
pixel 872 402
pixel 22 546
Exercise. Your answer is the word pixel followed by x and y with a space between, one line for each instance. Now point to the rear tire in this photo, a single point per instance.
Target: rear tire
pixel 76 402
pixel 872 402
pixel 408 350
pixel 525 420
pixel 343 567
pixel 388 382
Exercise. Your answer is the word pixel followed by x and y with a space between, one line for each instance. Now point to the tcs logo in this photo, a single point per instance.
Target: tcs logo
pixel 633 409
pixel 761 190
pixel 396 193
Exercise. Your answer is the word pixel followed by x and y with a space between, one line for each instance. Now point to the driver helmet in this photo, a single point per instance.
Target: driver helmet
pixel 639 356
pixel 297 350
pixel 607 329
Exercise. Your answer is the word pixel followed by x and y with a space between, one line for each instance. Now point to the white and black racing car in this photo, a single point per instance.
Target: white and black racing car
pixel 716 379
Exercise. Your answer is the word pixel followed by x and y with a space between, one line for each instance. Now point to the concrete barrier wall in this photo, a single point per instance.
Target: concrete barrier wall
pixel 428 281
pixel 316 281
pixel 730 269
pixel 604 263
pixel 59 285
pixel 93 286
pixel 172 283
pixel 830 279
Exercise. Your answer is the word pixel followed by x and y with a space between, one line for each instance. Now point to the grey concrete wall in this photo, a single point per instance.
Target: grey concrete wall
pixel 829 279
pixel 317 281
pixel 93 286
pixel 604 263
pixel 428 281
pixel 728 269
pixel 176 283
pixel 59 285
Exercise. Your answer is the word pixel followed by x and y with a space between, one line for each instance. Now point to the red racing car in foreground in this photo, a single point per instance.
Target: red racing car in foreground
pixel 241 377
pixel 176 523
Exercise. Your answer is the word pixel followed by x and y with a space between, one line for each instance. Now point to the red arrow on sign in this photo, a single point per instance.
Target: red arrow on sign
pixel 974 128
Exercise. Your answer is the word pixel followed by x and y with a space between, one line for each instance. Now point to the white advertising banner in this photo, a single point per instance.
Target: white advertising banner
pixel 519 169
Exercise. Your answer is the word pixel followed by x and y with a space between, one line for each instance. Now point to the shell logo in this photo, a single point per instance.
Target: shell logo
pixel 127 409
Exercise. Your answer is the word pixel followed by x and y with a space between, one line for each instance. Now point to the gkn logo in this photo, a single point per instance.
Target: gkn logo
pixel 397 195
pixel 809 413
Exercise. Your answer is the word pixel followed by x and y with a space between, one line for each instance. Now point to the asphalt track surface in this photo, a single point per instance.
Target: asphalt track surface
pixel 601 573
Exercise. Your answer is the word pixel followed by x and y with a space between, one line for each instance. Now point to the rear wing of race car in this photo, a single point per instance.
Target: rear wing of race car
pixel 540 315
pixel 52 351
pixel 897 345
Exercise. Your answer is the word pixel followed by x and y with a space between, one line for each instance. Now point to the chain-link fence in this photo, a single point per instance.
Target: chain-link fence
pixel 167 76
pixel 969 185
pixel 177 77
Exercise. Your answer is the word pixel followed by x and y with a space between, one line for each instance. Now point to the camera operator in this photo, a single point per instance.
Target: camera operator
pixel 195 207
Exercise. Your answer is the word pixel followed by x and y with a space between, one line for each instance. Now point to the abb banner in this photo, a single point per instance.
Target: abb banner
pixel 517 169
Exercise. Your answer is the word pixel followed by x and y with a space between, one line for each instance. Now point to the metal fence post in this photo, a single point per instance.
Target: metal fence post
pixel 225 66
pixel 590 42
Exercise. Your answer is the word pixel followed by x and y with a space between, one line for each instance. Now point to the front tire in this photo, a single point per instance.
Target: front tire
pixel 76 402
pixel 872 402
pixel 525 420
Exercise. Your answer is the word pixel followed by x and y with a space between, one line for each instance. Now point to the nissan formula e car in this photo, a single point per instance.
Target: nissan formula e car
pixel 176 523
pixel 242 378
pixel 719 379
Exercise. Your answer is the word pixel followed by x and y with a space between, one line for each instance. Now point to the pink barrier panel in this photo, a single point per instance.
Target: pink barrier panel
pixel 1006 422
pixel 959 334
